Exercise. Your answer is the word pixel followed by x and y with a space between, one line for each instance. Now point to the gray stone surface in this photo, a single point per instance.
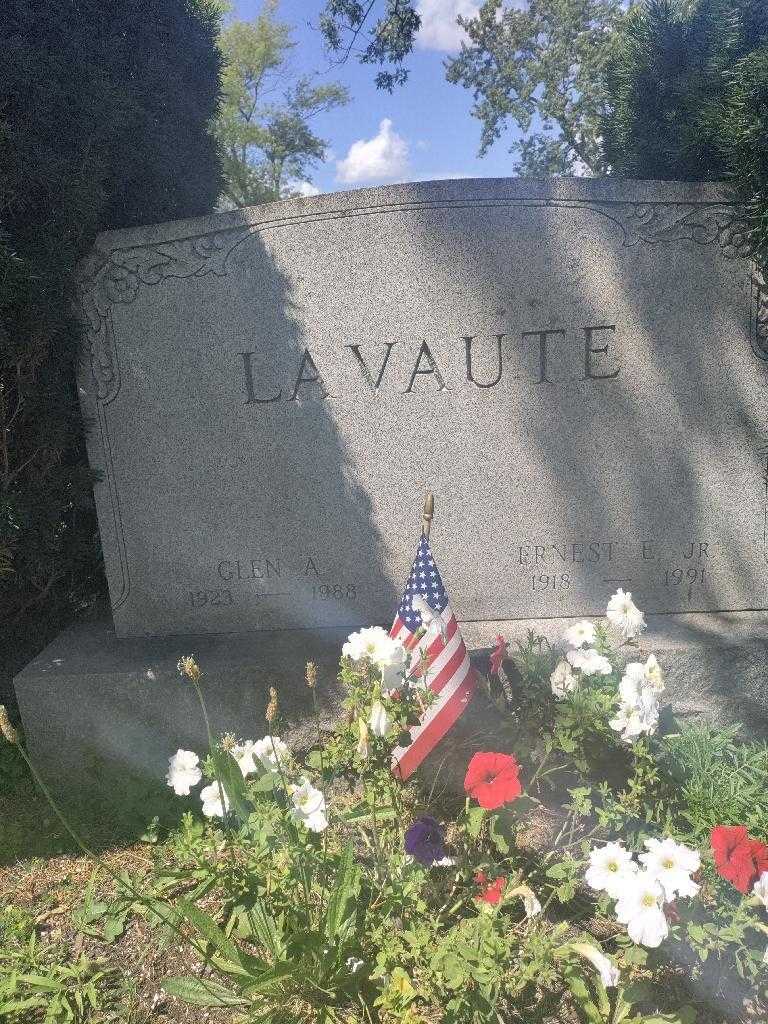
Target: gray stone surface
pixel 92 700
pixel 625 447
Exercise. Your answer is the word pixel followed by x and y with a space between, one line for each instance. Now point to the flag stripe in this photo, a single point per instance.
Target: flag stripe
pixel 449 676
pixel 448 661
pixel 435 650
pixel 437 721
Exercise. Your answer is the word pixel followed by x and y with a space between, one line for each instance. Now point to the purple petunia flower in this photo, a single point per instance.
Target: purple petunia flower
pixel 424 841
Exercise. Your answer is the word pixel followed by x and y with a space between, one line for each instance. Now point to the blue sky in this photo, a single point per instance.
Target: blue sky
pixel 423 130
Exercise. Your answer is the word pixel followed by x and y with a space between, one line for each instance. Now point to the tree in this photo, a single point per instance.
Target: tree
pixel 266 142
pixel 104 123
pixel 541 68
pixel 688 100
pixel 667 82
pixel 388 42
pixel 745 138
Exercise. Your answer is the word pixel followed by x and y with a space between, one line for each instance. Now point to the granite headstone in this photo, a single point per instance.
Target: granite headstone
pixel 577 369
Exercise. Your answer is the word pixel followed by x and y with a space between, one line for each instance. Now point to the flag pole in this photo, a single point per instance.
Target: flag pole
pixel 429 511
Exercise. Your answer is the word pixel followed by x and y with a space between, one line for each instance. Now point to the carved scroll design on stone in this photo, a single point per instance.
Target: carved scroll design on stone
pixel 117 280
pixel 759 316
pixel 703 223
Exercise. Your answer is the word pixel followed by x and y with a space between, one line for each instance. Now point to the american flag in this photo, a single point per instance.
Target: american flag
pixel 433 638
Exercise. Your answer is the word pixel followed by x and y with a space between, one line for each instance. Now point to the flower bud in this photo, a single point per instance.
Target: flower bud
pixel 271 712
pixel 311 673
pixel 363 749
pixel 188 667
pixel 6 728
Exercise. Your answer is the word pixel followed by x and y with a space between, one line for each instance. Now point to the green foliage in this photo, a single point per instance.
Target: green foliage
pixel 540 66
pixel 41 981
pixel 723 779
pixel 667 83
pixel 294 911
pixel 265 139
pixel 103 124
pixel 745 140
pixel 390 38
pixel 688 88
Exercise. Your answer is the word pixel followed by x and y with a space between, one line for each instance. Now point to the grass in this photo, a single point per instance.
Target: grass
pixel 43 879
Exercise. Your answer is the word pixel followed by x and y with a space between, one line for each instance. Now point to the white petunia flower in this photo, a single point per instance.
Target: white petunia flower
pixel 363 748
pixel 354 965
pixel 563 681
pixel 183 772
pixel 760 889
pixel 610 868
pixel 653 673
pixel 638 686
pixel 392 678
pixel 379 721
pixel 387 654
pixel 589 662
pixel 606 968
pixel 639 907
pixel 531 904
pixel 580 633
pixel 633 681
pixel 244 753
pixel 672 864
pixel 638 711
pixel 444 862
pixel 273 753
pixel 211 797
pixel 632 720
pixel 624 615
pixel 373 643
pixel 308 806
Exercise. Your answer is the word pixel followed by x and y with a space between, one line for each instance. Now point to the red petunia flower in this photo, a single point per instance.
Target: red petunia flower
pixel 738 858
pixel 492 780
pixel 498 655
pixel 491 892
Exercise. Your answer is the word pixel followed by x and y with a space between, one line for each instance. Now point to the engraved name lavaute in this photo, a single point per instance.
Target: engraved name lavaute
pixel 549 355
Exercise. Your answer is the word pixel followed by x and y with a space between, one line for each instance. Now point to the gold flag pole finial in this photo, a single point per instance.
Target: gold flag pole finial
pixel 429 511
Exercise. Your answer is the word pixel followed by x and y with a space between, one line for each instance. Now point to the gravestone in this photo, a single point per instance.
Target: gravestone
pixel 576 368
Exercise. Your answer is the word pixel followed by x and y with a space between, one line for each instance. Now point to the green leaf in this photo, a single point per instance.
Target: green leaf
pixel 266 930
pixel 210 931
pixel 498 840
pixel 114 926
pixel 342 894
pixel 314 759
pixel 231 778
pixel 201 993
pixel 583 996
pixel 361 814
pixel 475 818
pixel 270 979
pixel 265 783
pixel 40 981
pixel 558 871
pixel 17 1005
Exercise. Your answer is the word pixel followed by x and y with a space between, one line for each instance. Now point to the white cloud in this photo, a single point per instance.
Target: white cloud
pixel 382 158
pixel 439 30
pixel 304 188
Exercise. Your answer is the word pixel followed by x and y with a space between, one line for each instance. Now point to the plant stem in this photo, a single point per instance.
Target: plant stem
pixel 222 794
pixel 121 882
